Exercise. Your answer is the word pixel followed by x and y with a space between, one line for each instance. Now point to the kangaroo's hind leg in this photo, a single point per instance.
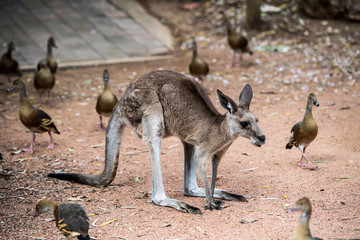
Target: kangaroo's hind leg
pixel 191 187
pixel 152 132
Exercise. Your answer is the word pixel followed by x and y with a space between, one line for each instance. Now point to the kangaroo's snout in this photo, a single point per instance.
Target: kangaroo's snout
pixel 258 141
pixel 262 139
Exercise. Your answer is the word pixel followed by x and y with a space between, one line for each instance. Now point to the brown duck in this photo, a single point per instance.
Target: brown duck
pixel 44 80
pixel 237 42
pixel 36 120
pixel 304 132
pixel 8 65
pixel 49 59
pixel 71 219
pixel 303 231
pixel 105 101
pixel 198 66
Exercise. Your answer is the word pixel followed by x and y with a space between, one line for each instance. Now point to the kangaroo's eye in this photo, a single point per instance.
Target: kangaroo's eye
pixel 244 124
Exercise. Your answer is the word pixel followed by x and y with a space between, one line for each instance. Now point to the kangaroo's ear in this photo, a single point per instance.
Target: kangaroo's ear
pixel 245 97
pixel 227 102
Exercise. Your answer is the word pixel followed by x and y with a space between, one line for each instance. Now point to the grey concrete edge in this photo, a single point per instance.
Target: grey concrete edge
pixel 86 63
pixel 150 23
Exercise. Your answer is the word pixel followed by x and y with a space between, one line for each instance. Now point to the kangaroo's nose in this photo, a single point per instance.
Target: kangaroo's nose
pixel 262 138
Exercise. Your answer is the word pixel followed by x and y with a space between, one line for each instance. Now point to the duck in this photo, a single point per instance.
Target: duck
pixel 303 231
pixel 106 101
pixel 44 80
pixel 198 67
pixel 36 120
pixel 8 65
pixel 237 41
pixel 49 59
pixel 70 218
pixel 304 132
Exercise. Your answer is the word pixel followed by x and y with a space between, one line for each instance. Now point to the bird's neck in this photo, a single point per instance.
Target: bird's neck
pixel 106 85
pixel 25 105
pixel 195 52
pixel 49 50
pixel 50 205
pixel 229 28
pixel 9 53
pixel 303 229
pixel 308 110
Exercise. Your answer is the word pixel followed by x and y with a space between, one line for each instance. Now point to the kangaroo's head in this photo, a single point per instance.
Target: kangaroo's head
pixel 241 121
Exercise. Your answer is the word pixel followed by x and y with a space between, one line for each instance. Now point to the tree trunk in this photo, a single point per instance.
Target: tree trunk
pixel 253 18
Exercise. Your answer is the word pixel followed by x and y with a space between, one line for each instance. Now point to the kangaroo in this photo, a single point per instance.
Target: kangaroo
pixel 163 103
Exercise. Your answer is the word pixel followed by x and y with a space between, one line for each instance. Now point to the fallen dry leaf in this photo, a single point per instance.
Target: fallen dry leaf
pixel 244 221
pixel 108 222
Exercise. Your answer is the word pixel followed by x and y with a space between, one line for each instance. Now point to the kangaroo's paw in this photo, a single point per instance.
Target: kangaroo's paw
pixel 215 204
pixel 186 208
pixel 178 205
pixel 232 196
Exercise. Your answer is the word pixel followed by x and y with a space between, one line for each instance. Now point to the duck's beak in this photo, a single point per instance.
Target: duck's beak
pixel 10 89
pixel 316 103
pixel 294 209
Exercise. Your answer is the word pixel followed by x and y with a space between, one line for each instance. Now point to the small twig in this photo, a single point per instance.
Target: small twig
pixel 93 223
pixel 134 152
pixel 249 169
pixel 173 146
pixel 39 238
pixel 26 188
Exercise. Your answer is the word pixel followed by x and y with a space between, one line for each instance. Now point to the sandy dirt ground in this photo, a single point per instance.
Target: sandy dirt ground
pixel 268 176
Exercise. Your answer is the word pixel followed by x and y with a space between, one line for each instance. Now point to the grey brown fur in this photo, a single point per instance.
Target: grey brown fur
pixel 165 103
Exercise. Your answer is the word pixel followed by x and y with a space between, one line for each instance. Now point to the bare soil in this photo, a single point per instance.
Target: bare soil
pixel 268 176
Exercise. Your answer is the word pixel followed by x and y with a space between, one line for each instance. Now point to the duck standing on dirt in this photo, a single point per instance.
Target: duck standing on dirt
pixel 8 65
pixel 36 120
pixel 237 42
pixel 198 67
pixel 304 132
pixel 71 219
pixel 49 59
pixel 303 231
pixel 105 101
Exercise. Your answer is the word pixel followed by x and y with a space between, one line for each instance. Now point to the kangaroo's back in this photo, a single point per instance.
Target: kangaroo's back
pixel 185 104
pixel 168 85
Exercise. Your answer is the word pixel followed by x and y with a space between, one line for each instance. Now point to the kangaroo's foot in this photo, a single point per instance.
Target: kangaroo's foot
pixel 215 204
pixel 218 193
pixel 233 197
pixel 178 205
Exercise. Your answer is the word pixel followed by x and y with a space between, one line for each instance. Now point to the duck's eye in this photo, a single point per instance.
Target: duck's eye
pixel 244 124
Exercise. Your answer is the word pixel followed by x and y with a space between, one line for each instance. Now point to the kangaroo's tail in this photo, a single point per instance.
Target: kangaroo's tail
pixel 113 139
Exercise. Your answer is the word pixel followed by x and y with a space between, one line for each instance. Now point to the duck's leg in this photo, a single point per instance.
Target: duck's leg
pixel 31 149
pixel 52 143
pixel 310 165
pixel 301 163
pixel 49 95
pixel 240 59
pixel 102 128
pixel 40 97
pixel 232 64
